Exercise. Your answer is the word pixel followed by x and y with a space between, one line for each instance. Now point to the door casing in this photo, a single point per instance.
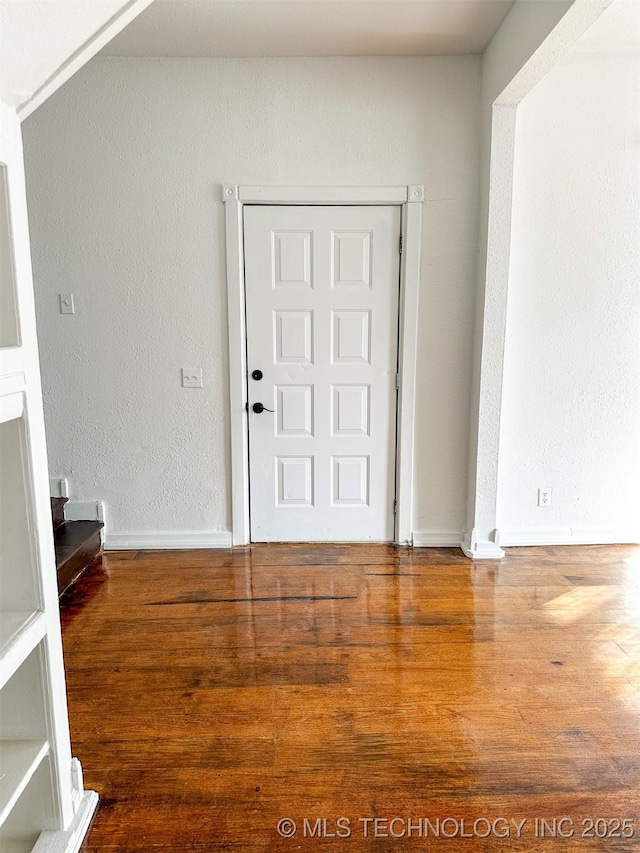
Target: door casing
pixel 411 199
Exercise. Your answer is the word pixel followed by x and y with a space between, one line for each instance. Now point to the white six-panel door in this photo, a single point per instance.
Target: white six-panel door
pixel 322 289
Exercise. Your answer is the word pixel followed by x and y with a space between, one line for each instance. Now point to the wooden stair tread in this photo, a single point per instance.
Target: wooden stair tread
pixel 77 544
pixel 73 534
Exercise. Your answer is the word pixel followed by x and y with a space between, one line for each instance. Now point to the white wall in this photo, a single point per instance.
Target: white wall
pixel 571 403
pixel 124 166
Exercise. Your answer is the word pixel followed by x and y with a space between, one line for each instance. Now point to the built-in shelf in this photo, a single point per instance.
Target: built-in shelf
pixel 20 633
pixel 19 760
pixel 9 326
pixel 12 368
pixel 11 407
pixel 43 806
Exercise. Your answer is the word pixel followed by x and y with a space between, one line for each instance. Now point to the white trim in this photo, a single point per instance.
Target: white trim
pixel 407 359
pixel 411 198
pixel 58 487
pixel 568 536
pixel 437 538
pixel 163 541
pixel 325 195
pixel 84 511
pixel 82 55
pixel 481 550
pixel 237 369
pixel 70 840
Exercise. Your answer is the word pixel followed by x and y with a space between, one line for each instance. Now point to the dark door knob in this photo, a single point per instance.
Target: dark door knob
pixel 258 408
pixel 257 375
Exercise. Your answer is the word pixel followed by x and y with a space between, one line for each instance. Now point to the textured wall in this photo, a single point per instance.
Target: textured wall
pixel 124 169
pixel 571 411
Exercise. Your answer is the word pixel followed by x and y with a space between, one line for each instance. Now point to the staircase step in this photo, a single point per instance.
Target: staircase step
pixel 77 545
pixel 57 511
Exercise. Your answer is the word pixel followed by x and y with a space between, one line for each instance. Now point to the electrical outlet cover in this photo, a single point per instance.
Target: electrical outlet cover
pixel 545 497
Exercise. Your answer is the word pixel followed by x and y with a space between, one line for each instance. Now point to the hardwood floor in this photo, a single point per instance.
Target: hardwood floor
pixel 214 693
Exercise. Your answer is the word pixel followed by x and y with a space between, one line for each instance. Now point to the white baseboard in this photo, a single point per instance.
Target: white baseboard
pixel 437 538
pixel 58 487
pixel 70 840
pixel 567 536
pixel 162 541
pixel 84 511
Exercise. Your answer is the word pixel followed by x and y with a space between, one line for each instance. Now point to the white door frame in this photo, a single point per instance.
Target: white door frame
pixel 410 198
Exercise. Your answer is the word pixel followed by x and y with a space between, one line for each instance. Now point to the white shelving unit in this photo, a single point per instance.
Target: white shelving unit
pixel 43 806
pixel 20 760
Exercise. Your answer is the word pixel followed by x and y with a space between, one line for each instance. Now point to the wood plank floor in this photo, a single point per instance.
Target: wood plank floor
pixel 214 693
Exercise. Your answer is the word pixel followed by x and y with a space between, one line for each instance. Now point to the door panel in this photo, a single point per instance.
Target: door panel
pixel 322 325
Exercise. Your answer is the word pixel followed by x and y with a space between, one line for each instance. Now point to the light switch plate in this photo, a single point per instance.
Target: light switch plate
pixel 66 303
pixel 192 377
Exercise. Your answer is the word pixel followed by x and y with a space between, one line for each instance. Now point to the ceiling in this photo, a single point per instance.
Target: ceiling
pixel 271 28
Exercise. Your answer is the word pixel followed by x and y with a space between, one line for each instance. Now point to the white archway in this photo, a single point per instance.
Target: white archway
pixel 544 33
